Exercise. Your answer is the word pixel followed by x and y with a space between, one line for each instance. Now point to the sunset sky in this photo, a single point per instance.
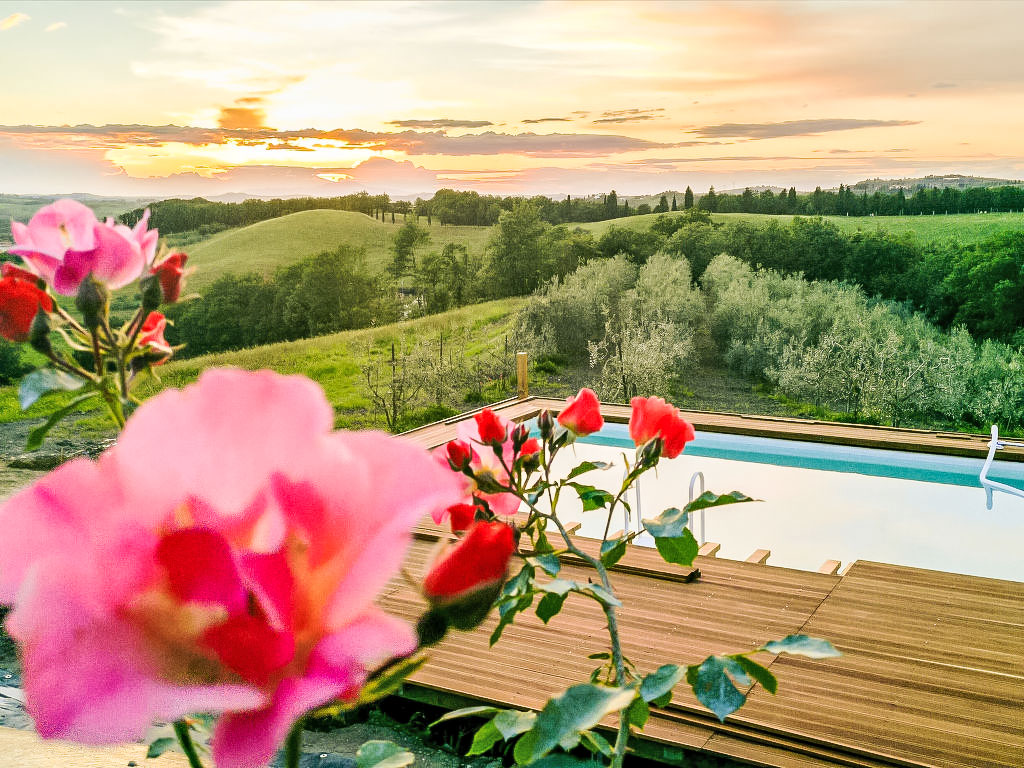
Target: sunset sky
pixel 172 98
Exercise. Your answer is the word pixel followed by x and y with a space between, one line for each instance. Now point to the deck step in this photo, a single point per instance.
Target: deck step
pixel 830 567
pixel 759 556
pixel 709 549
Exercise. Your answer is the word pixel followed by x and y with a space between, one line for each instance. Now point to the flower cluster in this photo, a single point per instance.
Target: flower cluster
pixel 245 573
pixel 66 251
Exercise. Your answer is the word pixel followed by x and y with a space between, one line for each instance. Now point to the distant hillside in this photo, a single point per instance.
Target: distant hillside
pixel 264 246
pixel 953 180
pixel 964 227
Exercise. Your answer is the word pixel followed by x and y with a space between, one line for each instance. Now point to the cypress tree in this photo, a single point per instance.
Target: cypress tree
pixel 688 198
pixel 674 206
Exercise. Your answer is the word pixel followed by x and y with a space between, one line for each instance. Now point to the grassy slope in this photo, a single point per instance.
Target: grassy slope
pixel 333 361
pixel 965 227
pixel 268 244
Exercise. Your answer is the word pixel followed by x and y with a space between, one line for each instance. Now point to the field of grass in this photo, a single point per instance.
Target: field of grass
pixel 965 227
pixel 333 361
pixel 264 246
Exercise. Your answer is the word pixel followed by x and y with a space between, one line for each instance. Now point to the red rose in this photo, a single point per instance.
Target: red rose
pixel 171 272
pixel 20 300
pixel 582 415
pixel 461 516
pixel 530 447
pixel 490 428
pixel 652 417
pixel 152 336
pixel 460 454
pixel 12 270
pixel 479 560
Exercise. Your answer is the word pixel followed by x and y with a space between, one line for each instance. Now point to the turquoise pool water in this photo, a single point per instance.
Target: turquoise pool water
pixel 905 465
pixel 821 502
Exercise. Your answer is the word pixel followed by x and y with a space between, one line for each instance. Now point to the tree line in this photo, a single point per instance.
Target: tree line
pixel 823 344
pixel 845 202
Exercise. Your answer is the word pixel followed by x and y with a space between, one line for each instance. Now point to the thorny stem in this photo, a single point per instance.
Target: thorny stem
pixel 187 745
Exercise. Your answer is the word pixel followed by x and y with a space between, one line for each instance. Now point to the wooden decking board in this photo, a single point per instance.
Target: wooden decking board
pixel 933 665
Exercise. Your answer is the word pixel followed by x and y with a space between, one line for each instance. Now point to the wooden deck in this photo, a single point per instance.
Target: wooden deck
pixel 932 672
pixel 863 435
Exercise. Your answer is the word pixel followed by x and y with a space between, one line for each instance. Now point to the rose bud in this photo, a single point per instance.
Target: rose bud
pixel 530 447
pixel 490 427
pixel 152 337
pixel 20 300
pixel 519 435
pixel 171 273
pixel 545 425
pixel 461 516
pixel 465 580
pixel 652 418
pixel 460 454
pixel 582 414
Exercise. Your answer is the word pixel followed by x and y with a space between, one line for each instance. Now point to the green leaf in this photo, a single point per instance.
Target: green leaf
pixel 600 655
pixel 37 435
pixel 680 550
pixel 511 722
pixel 659 683
pixel 708 499
pixel 612 551
pixel 802 645
pixel 713 688
pixel 486 737
pixel 762 674
pixel 549 606
pixel 592 498
pixel 558 587
pixel 507 611
pixel 383 754
pixel 603 595
pixel 161 745
pixel 548 563
pixel 541 545
pixel 587 466
pixel 465 712
pixel 580 708
pixel 42 381
pixel 638 713
pixel 669 524
pixel 562 760
pixel 596 743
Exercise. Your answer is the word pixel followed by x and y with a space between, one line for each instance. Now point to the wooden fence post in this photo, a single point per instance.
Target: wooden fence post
pixel 522 382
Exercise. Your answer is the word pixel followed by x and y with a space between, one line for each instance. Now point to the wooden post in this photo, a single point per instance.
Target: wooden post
pixel 522 377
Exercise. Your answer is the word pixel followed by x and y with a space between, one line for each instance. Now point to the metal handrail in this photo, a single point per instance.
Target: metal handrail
pixel 697 476
pixel 994 485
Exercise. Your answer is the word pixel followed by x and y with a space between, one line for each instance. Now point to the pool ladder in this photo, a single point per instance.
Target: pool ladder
pixel 993 485
pixel 692 525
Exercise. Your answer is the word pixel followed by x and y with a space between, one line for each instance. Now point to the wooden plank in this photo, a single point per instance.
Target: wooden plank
pixel 829 566
pixel 759 556
pixel 522 376
pixel 709 549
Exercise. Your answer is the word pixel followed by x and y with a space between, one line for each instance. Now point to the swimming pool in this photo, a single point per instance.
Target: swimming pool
pixel 826 502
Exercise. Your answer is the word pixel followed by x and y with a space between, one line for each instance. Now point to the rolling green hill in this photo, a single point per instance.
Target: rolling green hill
pixel 333 361
pixel 965 227
pixel 264 246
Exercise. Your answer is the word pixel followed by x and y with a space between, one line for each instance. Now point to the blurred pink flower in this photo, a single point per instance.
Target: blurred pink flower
pixel 63 243
pixel 223 556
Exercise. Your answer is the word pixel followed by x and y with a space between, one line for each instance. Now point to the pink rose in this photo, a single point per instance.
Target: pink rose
pixel 582 414
pixel 63 243
pixel 224 556
pixel 652 418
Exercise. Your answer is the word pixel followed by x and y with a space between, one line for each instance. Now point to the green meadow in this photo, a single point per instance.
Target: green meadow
pixel 333 361
pixel 264 246
pixel 963 227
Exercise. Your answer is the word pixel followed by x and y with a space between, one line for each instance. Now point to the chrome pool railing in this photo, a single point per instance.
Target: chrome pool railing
pixel 994 485
pixel 693 524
